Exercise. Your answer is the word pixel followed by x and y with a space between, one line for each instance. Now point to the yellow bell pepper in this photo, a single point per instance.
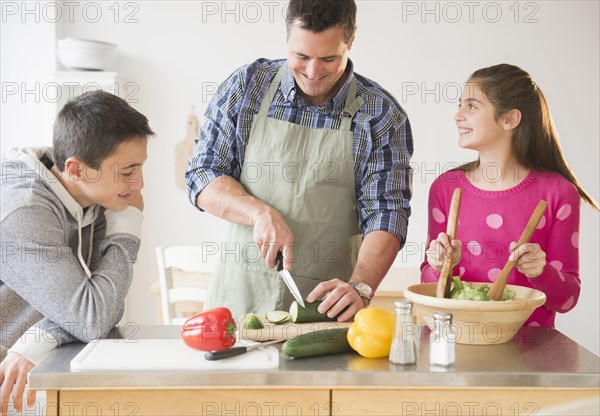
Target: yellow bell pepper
pixel 371 333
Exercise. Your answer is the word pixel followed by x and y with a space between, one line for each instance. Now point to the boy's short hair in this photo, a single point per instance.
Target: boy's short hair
pixel 92 126
pixel 320 15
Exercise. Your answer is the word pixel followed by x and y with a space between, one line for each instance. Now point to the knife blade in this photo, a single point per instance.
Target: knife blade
pixel 288 280
pixel 232 352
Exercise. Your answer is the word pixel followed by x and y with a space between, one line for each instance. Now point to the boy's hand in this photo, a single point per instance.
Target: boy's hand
pixel 13 377
pixel 136 200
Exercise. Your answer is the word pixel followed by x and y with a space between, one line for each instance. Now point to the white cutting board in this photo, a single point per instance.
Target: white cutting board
pixel 164 354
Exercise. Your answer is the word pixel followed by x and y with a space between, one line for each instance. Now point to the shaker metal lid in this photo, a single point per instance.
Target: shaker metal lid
pixel 442 316
pixel 403 304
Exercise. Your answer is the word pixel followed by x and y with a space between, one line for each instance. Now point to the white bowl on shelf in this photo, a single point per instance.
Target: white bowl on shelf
pixel 87 55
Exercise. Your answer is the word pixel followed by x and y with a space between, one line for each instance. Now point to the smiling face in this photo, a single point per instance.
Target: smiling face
pixel 119 174
pixel 317 61
pixel 478 127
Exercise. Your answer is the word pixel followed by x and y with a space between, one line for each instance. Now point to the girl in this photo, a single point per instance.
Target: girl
pixel 504 116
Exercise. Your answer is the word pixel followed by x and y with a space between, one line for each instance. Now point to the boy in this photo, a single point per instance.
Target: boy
pixel 71 218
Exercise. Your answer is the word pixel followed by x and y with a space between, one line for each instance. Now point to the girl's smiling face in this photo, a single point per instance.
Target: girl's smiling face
pixel 479 128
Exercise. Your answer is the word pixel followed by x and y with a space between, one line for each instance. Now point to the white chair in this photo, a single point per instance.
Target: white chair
pixel 184 274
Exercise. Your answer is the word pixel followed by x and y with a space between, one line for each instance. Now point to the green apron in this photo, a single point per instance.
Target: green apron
pixel 307 175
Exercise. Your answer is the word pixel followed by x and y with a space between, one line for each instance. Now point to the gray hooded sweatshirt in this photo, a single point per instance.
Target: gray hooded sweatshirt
pixel 65 271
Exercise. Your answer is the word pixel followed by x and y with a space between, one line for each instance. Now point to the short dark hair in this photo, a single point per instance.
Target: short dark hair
pixel 93 125
pixel 320 15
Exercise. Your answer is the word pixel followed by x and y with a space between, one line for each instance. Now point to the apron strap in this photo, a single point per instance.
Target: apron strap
pixel 268 98
pixel 352 105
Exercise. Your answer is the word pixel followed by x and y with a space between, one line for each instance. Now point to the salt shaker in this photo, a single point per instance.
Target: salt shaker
pixel 442 341
pixel 403 349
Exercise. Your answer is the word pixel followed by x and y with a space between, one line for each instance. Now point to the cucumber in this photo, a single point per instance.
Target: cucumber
pixel 309 313
pixel 323 342
pixel 251 321
pixel 278 317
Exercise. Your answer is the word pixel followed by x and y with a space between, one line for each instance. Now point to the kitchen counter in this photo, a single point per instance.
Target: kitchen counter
pixel 538 368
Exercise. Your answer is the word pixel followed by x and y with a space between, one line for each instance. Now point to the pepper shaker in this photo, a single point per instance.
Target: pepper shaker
pixel 403 349
pixel 442 341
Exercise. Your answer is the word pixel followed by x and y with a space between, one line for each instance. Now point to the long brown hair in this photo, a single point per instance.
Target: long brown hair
pixel 535 140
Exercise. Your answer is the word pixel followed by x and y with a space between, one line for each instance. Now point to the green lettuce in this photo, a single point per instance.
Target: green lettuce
pixel 466 291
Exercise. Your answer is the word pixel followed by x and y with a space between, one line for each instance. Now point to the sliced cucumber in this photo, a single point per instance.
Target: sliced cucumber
pixel 308 313
pixel 278 317
pixel 323 342
pixel 251 321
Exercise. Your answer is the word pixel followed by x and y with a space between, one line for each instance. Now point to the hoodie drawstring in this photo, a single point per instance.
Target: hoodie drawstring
pixel 90 246
pixel 79 255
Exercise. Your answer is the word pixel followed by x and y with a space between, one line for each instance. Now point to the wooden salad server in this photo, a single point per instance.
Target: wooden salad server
pixel 498 286
pixel 445 280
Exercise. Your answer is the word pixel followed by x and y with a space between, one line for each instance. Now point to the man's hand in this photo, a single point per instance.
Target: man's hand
pixel 13 378
pixel 272 234
pixel 226 198
pixel 339 295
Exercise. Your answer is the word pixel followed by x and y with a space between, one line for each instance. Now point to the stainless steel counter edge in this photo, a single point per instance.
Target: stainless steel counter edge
pixel 551 361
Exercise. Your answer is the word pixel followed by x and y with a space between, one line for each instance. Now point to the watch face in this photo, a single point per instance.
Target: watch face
pixel 363 289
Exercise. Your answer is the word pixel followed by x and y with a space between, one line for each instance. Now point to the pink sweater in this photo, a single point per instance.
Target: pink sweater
pixel 490 220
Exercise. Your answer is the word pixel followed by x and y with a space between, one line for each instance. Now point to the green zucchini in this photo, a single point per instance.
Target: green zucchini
pixel 323 342
pixel 309 313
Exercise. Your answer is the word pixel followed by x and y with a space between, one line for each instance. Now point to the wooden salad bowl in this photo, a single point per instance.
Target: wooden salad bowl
pixel 476 322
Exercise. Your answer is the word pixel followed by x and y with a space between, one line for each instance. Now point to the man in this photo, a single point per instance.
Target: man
pixel 71 224
pixel 302 157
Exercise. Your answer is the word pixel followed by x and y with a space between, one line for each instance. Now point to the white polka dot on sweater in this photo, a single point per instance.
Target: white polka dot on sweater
pixel 562 277
pixel 438 216
pixel 461 271
pixel 494 221
pixel 564 212
pixel 542 223
pixel 474 247
pixel 534 323
pixel 493 274
pixel 575 239
pixel 568 304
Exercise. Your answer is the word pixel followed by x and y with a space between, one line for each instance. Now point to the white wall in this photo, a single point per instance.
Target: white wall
pixel 176 53
pixel 28 99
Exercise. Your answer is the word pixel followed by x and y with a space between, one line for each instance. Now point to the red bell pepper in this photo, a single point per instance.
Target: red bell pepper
pixel 211 330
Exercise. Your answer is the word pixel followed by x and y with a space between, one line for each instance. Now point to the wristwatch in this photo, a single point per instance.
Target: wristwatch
pixel 363 289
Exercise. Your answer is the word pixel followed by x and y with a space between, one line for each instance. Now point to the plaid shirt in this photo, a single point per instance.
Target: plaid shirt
pixel 382 139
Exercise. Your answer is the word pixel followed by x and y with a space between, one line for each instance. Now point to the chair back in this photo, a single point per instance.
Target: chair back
pixel 184 274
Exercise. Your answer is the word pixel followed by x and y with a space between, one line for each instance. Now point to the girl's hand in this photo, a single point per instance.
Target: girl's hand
pixel 440 248
pixel 530 258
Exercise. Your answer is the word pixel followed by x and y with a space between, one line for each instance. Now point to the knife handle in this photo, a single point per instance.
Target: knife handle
pixel 279 261
pixel 219 355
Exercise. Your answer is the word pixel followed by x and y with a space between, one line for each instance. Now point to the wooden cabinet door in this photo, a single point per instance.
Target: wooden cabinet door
pixel 205 402
pixel 451 401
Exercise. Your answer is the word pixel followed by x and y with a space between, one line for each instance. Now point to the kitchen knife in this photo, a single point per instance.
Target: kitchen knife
pixel 232 352
pixel 288 279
